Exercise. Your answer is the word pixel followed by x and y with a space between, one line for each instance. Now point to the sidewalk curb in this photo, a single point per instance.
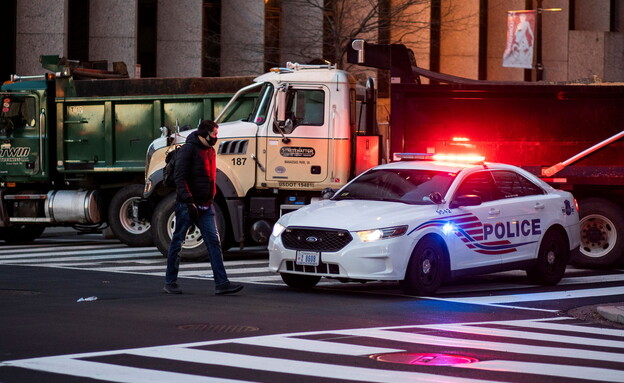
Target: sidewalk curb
pixel 614 313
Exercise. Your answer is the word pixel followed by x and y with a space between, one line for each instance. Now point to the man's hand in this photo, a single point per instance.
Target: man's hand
pixel 192 209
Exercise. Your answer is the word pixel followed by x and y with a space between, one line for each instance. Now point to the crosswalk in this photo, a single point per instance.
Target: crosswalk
pixel 112 256
pixel 251 266
pixel 539 350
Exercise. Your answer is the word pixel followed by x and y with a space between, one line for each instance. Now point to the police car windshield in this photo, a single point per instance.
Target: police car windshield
pixel 411 186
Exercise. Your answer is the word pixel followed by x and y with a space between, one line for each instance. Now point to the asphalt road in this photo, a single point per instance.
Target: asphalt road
pixel 489 328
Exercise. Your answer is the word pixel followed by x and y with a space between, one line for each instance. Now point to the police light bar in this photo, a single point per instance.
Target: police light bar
pixel 457 158
pixel 464 158
pixel 413 156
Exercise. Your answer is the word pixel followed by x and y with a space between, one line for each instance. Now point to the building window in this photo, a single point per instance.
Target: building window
pixel 211 40
pixel 146 47
pixel 78 30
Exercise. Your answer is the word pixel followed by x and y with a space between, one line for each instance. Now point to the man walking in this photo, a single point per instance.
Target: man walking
pixel 195 181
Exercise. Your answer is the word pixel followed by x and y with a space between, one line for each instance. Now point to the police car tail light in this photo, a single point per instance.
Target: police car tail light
pixel 278 229
pixel 385 233
pixel 576 205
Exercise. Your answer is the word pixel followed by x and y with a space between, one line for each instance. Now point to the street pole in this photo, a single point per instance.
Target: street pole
pixel 539 67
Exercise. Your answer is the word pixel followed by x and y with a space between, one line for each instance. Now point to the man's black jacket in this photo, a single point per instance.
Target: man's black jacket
pixel 195 172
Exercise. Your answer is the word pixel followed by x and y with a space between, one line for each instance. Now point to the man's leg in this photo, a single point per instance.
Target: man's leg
pixel 208 228
pixel 183 222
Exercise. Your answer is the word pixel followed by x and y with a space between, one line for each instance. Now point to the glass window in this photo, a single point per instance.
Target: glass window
pixel 511 184
pixel 241 107
pixel 412 186
pixel 479 184
pixel 305 107
pixel 17 113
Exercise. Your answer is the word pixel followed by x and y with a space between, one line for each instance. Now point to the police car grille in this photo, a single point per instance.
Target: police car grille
pixel 316 240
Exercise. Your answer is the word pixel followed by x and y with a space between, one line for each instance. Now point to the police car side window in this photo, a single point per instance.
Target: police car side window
pixel 480 184
pixel 510 185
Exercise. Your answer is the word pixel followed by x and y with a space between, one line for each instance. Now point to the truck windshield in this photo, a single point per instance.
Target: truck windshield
pixel 241 106
pixel 17 113
pixel 410 186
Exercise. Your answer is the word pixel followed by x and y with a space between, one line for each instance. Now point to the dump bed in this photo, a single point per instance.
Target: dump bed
pixel 533 126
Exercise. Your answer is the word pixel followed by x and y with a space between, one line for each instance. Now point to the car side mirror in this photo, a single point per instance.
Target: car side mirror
pixel 466 200
pixel 436 198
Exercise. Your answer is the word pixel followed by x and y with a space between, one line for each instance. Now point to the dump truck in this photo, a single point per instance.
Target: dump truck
pixel 307 133
pixel 73 142
pixel 569 134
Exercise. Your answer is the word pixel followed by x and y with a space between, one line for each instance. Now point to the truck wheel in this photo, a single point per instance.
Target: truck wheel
pixel 426 269
pixel 163 222
pixel 122 219
pixel 552 259
pixel 21 233
pixel 602 234
pixel 300 281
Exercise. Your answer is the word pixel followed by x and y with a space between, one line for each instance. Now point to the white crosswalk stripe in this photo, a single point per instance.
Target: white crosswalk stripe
pixel 515 349
pixel 112 256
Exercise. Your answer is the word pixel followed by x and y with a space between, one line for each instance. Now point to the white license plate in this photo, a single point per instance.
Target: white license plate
pixel 308 258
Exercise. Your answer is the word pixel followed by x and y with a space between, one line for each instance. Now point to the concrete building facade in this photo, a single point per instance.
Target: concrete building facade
pixel 186 38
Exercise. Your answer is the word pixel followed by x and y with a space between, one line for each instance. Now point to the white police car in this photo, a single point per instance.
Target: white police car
pixel 423 222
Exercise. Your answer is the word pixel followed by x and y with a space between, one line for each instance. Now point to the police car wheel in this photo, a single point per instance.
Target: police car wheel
pixel 427 268
pixel 300 281
pixel 552 259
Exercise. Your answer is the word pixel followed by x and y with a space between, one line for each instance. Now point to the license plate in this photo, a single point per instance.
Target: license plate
pixel 308 258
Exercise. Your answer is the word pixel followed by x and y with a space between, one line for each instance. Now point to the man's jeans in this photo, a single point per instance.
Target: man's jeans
pixel 208 228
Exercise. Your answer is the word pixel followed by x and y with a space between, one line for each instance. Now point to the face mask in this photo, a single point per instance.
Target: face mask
pixel 212 140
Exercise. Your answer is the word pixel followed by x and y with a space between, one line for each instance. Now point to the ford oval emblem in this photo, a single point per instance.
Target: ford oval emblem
pixel 312 239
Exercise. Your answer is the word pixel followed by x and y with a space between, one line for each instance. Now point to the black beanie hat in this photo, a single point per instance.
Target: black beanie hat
pixel 205 127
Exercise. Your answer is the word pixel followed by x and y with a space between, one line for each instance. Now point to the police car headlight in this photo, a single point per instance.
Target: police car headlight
pixel 376 234
pixel 278 229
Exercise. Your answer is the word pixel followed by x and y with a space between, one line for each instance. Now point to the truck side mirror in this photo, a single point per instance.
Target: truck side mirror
pixel 465 200
pixel 281 104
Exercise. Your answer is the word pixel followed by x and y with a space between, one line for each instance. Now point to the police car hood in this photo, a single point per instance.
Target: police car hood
pixel 355 215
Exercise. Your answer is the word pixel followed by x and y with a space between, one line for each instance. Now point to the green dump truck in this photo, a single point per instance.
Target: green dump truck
pixel 73 144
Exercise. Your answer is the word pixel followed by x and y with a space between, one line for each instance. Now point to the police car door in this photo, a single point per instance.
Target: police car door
pixel 522 207
pixel 297 149
pixel 475 248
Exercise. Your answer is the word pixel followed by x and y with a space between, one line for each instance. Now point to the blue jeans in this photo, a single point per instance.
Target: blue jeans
pixel 208 229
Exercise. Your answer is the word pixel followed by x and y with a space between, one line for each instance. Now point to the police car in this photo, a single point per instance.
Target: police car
pixel 422 222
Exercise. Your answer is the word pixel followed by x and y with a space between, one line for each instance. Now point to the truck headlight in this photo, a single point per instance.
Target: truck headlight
pixel 278 229
pixel 385 233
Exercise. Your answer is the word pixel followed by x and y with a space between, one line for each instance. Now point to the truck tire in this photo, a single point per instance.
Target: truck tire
pixel 122 221
pixel 163 224
pixel 602 234
pixel 21 233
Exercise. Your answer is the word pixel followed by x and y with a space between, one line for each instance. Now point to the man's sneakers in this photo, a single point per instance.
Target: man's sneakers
pixel 172 288
pixel 224 288
pixel 228 288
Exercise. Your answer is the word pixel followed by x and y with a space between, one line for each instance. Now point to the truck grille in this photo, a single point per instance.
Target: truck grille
pixel 315 239
pixel 233 147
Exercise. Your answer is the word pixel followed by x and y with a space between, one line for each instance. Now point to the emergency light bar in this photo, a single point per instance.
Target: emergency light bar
pixel 461 158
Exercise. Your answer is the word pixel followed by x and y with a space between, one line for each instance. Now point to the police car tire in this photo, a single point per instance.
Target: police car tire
pixel 299 281
pixel 427 267
pixel 552 259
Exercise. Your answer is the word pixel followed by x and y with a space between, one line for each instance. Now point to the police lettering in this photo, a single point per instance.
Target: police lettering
pixel 512 229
